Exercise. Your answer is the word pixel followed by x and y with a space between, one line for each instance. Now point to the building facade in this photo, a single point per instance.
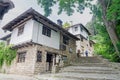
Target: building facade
pixel 84 44
pixel 42 46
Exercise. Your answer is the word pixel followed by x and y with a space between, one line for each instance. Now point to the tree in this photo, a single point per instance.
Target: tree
pixel 66 25
pixel 69 6
pixel 109 24
pixel 103 44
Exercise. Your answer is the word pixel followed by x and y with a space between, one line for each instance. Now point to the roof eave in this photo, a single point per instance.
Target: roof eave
pixel 35 13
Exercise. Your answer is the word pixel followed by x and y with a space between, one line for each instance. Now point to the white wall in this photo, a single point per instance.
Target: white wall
pixel 72 30
pixel 38 37
pixel 83 33
pixel 26 36
pixel 33 31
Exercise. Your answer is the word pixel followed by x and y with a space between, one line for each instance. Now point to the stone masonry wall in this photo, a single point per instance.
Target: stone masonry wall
pixel 41 67
pixel 71 56
pixel 27 67
pixel 30 66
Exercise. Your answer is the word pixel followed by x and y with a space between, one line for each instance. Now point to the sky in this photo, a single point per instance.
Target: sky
pixel 23 5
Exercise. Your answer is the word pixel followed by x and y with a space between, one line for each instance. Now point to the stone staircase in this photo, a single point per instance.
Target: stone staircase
pixel 85 68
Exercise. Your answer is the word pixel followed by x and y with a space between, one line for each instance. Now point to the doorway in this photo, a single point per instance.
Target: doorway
pixel 49 61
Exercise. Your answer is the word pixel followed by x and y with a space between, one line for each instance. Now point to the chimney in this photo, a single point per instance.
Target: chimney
pixel 59 22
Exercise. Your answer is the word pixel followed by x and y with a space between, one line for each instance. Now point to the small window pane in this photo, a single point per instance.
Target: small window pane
pixel 39 56
pixel 46 31
pixel 81 29
pixel 76 28
pixel 20 30
pixel 65 40
pixel 21 57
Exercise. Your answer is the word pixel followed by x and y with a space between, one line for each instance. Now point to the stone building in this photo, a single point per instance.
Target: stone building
pixel 42 45
pixel 84 44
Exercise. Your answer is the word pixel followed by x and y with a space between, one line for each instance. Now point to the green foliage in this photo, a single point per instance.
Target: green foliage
pixel 113 13
pixel 114 10
pixel 66 25
pixel 118 45
pixel 47 4
pixel 68 6
pixel 6 54
pixel 103 44
pixel 115 58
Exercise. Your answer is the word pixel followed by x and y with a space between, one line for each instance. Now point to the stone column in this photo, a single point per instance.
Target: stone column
pixel 53 65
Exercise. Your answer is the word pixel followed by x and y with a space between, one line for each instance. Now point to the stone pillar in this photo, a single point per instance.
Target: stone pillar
pixel 53 65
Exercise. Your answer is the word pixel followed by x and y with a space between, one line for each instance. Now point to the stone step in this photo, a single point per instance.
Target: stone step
pixel 80 69
pixel 91 71
pixel 88 60
pixel 68 77
pixel 86 68
pixel 90 76
pixel 91 64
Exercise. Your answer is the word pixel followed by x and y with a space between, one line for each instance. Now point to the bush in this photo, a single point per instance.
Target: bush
pixel 7 54
pixel 115 58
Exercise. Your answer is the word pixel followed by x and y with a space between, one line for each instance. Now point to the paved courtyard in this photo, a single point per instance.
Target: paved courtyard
pixel 14 77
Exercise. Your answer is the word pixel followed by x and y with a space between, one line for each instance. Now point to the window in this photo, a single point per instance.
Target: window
pixel 76 28
pixel 20 30
pixel 64 58
pixel 21 57
pixel 39 56
pixel 65 40
pixel 46 31
pixel 63 47
pixel 81 29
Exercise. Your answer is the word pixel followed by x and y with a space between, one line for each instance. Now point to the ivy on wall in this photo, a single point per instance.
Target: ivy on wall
pixel 7 54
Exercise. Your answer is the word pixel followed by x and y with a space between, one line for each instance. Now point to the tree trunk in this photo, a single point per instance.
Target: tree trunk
pixel 110 26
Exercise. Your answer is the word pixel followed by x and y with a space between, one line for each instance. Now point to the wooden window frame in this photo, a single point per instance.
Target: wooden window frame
pixel 21 29
pixel 65 40
pixel 39 56
pixel 46 31
pixel 21 57
pixel 76 28
pixel 81 28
